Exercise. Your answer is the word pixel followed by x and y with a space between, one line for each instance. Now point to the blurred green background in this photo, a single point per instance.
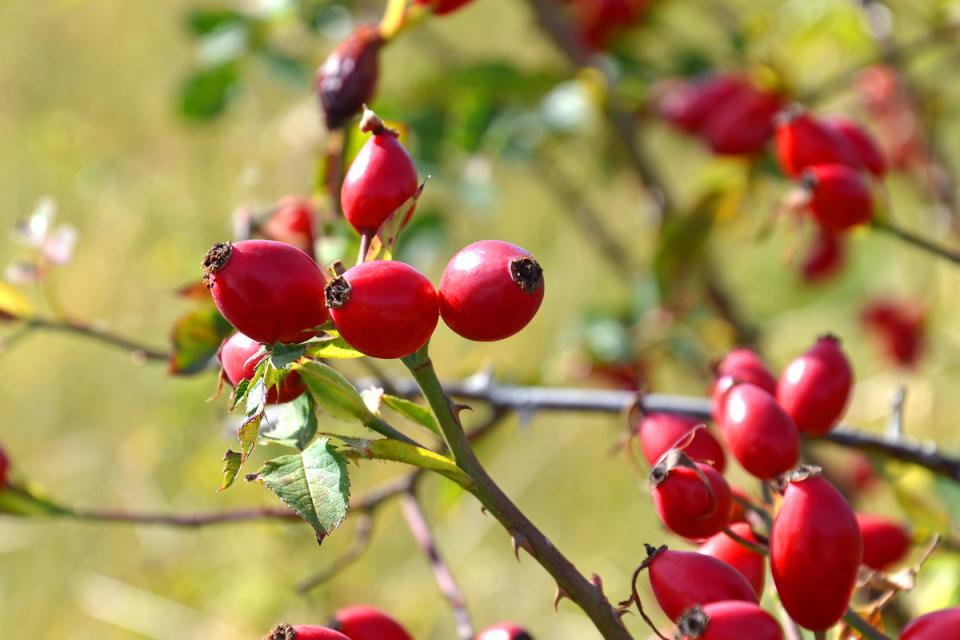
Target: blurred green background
pixel 89 116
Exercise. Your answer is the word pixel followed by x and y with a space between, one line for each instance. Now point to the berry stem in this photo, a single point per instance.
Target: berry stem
pixel 579 589
pixel 920 243
pixel 820 635
pixel 743 542
pixel 365 239
pixel 862 626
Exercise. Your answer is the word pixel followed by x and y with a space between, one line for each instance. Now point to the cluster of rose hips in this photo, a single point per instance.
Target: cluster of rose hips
pixel 816 543
pixel 273 292
pixel 366 623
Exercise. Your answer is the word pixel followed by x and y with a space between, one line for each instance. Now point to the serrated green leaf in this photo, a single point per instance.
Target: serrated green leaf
pixel 412 411
pixel 384 242
pixel 23 501
pixel 294 424
pixel 283 355
pixel 13 304
pixel 195 338
pixel 232 462
pixel 397 451
pixel 314 483
pixel 207 92
pixel 333 393
pixel 331 347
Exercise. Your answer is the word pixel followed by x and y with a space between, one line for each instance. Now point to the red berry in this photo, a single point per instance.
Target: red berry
pixel 825 256
pixel 380 180
pixel 839 196
pixel 4 468
pixel 739 365
pixel 748 562
pixel 885 542
pixel 898 327
pixel 304 632
pixel 384 309
pixel 761 436
pixel 866 147
pixel 657 433
pixel 504 631
pixel 815 551
pixel 239 359
pixel 681 579
pixel 347 79
pixel 366 623
pixel 938 625
pixel 292 222
pixel 688 504
pixel 600 21
pixel 490 290
pixel 268 290
pixel 815 388
pixel 689 105
pixel 803 141
pixel 443 7
pixel 743 126
pixel 731 620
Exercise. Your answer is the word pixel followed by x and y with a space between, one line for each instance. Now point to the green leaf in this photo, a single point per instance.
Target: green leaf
pixel 331 346
pixel 283 355
pixel 412 411
pixel 286 66
pixel 295 423
pixel 16 500
pixel 196 336
pixel 207 92
pixel 231 468
pixel 397 451
pixel 333 393
pixel 205 21
pixel 386 238
pixel 314 483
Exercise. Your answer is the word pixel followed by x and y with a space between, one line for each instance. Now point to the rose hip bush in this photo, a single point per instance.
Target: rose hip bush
pixel 715 185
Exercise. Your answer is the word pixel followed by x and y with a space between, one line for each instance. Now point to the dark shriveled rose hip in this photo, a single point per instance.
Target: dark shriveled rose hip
pixel 347 79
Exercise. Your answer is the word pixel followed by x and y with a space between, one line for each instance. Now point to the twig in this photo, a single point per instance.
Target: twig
pixel 895 427
pixel 136 349
pixel 420 530
pixel 180 520
pixel 863 627
pixel 920 243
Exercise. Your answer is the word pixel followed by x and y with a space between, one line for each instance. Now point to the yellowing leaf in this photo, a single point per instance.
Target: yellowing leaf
pixel 13 304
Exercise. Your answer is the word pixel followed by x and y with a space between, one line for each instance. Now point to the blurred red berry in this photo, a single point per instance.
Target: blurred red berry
pixel 898 325
pixel 688 105
pixel 840 197
pixel 4 468
pixel 743 126
pixel 239 359
pixel 885 542
pixel 804 141
pixel 863 143
pixel 938 625
pixel 361 622
pixel 443 7
pixel 600 21
pixel 292 221
pixel 825 256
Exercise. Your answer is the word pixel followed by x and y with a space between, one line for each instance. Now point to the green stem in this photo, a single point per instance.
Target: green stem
pixel 571 583
pixel 917 241
pixel 862 626
pixel 743 542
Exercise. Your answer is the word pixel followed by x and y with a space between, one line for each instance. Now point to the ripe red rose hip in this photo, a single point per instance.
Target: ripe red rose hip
pixel 304 632
pixel 815 387
pixel 657 433
pixel 760 435
pixel 292 222
pixel 504 631
pixel 270 291
pixel 739 365
pixel 367 623
pixel 347 79
pixel 380 180
pixel 803 141
pixel 824 257
pixel 693 503
pixel 239 359
pixel 748 562
pixel 443 7
pixel 898 327
pixel 938 625
pixel 863 143
pixel 840 198
pixel 815 551
pixel 743 126
pixel 4 468
pixel 731 620
pixel 384 309
pixel 689 105
pixel 885 542
pixel 490 290
pixel 682 579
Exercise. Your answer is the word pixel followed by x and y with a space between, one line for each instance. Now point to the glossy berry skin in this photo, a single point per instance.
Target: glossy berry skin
pixel 739 365
pixel 681 579
pixel 840 197
pixel 938 625
pixel 815 552
pixel 490 290
pixel 443 7
pixel 871 157
pixel 292 221
pixel 4 468
pixel 759 434
pixel 504 631
pixel 347 79
pixel 750 563
pixel 657 433
pixel 304 632
pixel 815 387
pixel 239 359
pixel 730 620
pixel 803 141
pixel 268 290
pixel 824 257
pixel 885 542
pixel 367 623
pixel 380 180
pixel 685 504
pixel 384 309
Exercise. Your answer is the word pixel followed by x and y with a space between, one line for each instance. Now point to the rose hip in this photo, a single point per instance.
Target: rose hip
pixel 803 141
pixel 367 623
pixel 748 562
pixel 693 503
pixel 682 579
pixel 347 79
pixel 657 433
pixel 885 542
pixel 815 387
pixel 938 625
pixel 239 358
pixel 731 620
pixel 840 198
pixel 292 222
pixel 760 435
